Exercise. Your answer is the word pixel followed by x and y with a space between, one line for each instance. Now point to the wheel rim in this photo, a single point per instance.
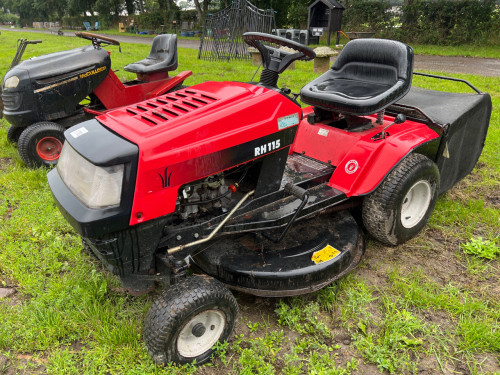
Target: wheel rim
pixel 201 333
pixel 49 148
pixel 416 203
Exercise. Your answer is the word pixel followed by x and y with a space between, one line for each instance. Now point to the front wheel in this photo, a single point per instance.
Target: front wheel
pixel 401 206
pixel 188 319
pixel 40 144
pixel 13 134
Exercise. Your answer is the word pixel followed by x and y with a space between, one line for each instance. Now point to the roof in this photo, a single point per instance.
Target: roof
pixel 329 3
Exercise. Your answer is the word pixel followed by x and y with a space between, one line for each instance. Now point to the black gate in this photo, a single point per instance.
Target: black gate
pixel 222 35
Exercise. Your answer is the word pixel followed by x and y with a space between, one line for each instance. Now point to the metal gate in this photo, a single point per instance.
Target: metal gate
pixel 222 34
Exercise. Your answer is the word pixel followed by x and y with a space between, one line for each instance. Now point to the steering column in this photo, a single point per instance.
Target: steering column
pixel 275 60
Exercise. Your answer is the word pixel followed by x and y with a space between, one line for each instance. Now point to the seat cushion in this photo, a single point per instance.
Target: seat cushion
pixel 333 92
pixel 350 89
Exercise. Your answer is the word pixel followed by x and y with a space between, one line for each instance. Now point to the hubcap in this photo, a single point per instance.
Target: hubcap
pixel 49 148
pixel 201 333
pixel 416 203
pixel 198 330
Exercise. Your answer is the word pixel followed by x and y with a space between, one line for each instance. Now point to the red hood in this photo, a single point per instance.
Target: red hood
pixel 187 116
pixel 184 125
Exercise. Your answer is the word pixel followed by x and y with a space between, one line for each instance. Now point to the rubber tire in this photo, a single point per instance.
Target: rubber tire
pixel 31 136
pixel 177 306
pixel 13 134
pixel 382 208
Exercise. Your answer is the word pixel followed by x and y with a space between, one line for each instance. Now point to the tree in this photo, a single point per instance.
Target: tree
pixel 76 7
pixel 130 7
pixel 141 5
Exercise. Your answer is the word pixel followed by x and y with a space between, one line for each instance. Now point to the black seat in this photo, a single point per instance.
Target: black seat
pixel 368 76
pixel 162 58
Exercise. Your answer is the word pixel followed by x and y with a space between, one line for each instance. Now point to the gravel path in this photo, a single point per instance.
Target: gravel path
pixel 448 64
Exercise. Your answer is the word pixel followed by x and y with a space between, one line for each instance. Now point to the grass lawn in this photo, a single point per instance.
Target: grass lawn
pixel 471 50
pixel 427 306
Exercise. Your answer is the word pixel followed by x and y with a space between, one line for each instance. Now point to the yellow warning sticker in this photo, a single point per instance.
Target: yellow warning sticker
pixel 325 254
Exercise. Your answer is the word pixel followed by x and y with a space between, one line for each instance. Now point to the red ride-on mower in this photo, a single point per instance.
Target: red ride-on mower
pixel 238 183
pixel 43 96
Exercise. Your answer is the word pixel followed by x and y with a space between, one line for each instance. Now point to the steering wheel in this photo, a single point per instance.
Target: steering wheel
pixel 274 59
pixel 97 39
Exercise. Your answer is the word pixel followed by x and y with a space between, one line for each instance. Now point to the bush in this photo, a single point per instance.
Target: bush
pixel 152 20
pixel 366 15
pixel 449 22
pixel 8 17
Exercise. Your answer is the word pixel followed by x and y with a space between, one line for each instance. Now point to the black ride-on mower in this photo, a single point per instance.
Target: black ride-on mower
pixel 240 185
pixel 45 95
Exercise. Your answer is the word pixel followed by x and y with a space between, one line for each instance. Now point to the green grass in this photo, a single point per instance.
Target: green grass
pixel 425 303
pixel 465 50
pixel 472 50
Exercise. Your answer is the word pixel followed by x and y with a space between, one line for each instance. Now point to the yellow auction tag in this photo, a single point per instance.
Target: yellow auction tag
pixel 325 254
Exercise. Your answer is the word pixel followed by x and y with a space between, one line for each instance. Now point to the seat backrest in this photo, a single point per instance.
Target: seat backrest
pixel 375 60
pixel 367 77
pixel 165 48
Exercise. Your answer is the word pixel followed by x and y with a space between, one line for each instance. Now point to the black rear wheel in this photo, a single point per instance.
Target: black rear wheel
pixel 401 206
pixel 188 319
pixel 13 134
pixel 40 144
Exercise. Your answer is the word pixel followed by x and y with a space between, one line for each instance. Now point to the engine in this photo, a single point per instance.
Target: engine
pixel 204 196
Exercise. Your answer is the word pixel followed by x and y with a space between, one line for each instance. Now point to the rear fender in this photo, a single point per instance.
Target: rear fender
pixel 367 163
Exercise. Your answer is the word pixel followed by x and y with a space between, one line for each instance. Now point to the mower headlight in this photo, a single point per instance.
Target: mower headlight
pixel 96 187
pixel 11 82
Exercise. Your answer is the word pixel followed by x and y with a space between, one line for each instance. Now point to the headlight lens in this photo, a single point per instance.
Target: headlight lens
pixel 96 187
pixel 11 82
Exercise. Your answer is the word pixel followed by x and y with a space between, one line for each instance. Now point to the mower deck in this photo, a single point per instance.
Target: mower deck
pixel 254 265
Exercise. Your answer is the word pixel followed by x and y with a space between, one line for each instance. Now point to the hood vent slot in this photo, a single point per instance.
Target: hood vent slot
pixel 167 107
pixel 180 108
pixel 149 119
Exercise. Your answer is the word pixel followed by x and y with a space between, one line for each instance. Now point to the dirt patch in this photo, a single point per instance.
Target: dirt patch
pixel 5 163
pixel 23 364
pixel 471 187
pixel 6 292
pixel 10 208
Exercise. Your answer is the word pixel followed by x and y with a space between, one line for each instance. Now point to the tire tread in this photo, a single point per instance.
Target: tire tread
pixel 163 316
pixel 26 135
pixel 377 205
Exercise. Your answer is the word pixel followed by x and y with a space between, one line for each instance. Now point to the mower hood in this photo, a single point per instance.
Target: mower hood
pixel 195 132
pixel 196 115
pixel 55 64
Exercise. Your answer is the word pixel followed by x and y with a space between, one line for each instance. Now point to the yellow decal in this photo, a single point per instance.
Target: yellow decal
pixel 325 254
pixel 56 84
pixel 92 72
pixel 95 71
